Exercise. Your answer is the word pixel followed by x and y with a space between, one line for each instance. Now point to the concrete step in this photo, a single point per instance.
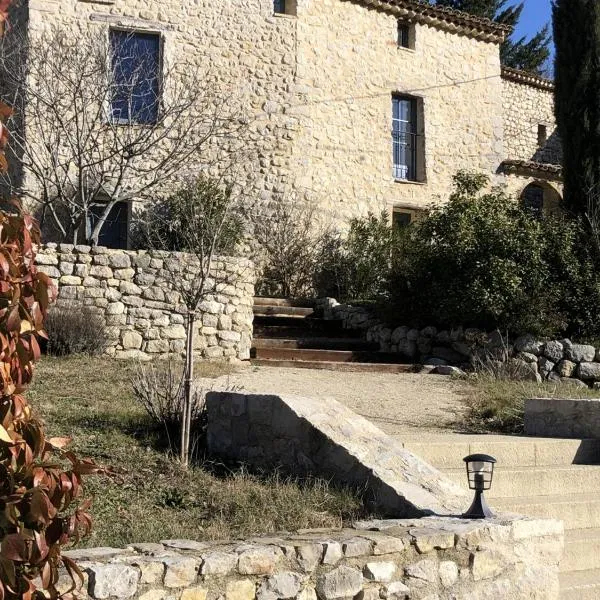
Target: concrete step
pixel 264 301
pixel 282 311
pixel 343 356
pixel 582 550
pixel 334 366
pixel 316 343
pixel 537 481
pixel 447 451
pixel 580 585
pixel 578 511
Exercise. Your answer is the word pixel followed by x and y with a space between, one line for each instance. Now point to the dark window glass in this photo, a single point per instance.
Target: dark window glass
pixel 533 200
pixel 279 6
pixel 114 231
pixel 401 219
pixel 404 138
pixel 403 35
pixel 542 135
pixel 136 71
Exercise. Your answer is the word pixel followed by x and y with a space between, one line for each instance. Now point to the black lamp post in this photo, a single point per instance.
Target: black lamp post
pixel 480 471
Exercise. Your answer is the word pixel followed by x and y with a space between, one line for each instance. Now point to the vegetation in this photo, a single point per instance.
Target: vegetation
pixel 153 497
pixel 481 260
pixel 529 55
pixel 577 80
pixel 496 404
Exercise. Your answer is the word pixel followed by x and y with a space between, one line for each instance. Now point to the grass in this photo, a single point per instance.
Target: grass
pixel 496 404
pixel 152 498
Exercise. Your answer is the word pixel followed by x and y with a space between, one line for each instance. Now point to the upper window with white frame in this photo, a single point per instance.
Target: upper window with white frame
pixel 405 138
pixel 135 67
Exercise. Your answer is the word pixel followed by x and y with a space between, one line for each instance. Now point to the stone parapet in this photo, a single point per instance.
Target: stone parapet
pixel 134 295
pixel 563 418
pixel 433 558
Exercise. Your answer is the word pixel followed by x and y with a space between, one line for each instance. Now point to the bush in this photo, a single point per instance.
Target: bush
pixel 75 329
pixel 481 260
pixel 357 267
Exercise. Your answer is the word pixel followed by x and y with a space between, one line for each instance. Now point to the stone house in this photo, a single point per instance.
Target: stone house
pixel 360 105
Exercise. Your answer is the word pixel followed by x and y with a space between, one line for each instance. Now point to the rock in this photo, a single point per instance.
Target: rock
pixel 448 573
pixel 152 571
pixel 396 591
pixel 115 308
pixel 113 580
pixel 101 272
pixel 218 563
pixel 285 584
pixel 429 332
pixel 119 260
pixel 545 366
pixel 369 594
pixel 528 343
pixel 408 348
pixel 522 371
pixel 486 564
pixel 427 540
pixel 179 572
pixel 398 334
pixel 527 357
pixel 131 340
pixel 553 350
pixel 333 553
pixel 580 353
pixel 240 590
pixel 357 547
pixel 554 377
pixel 565 368
pixel 448 370
pixel 589 371
pixel 423 572
pixel 452 356
pixel 343 582
pixel 128 287
pixel 573 381
pixel 381 572
pixel 412 335
pixel 174 332
pixel 309 556
pixel 258 561
pixel 194 593
pixel 307 594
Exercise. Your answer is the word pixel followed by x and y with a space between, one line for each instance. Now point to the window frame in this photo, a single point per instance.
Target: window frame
pixel 159 75
pixel 405 35
pixel 416 170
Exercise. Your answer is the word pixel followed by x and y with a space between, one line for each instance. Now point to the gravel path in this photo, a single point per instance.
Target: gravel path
pixel 398 404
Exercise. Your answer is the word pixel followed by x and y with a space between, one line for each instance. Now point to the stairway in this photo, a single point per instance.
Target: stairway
pixel 554 478
pixel 287 333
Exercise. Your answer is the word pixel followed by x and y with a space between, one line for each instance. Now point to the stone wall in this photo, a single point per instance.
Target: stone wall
pixel 133 294
pixel 526 357
pixel 561 417
pixel 433 558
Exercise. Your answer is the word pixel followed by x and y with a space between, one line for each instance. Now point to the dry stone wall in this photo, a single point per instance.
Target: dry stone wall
pixel 432 558
pixel 133 294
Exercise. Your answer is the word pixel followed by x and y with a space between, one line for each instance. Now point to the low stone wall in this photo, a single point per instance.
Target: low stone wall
pixel 133 293
pixel 427 559
pixel 564 418
pixel 526 357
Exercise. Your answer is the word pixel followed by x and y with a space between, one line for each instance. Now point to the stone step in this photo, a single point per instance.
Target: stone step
pixel 301 328
pixel 316 343
pixel 335 366
pixel 582 550
pixel 578 511
pixel 537 481
pixel 282 311
pixel 447 451
pixel 342 356
pixel 580 585
pixel 265 301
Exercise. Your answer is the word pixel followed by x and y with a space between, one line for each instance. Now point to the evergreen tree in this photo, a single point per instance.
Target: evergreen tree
pixel 577 100
pixel 529 55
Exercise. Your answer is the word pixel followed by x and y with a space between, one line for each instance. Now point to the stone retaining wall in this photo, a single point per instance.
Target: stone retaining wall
pixel 526 357
pixel 133 293
pixel 427 559
pixel 565 418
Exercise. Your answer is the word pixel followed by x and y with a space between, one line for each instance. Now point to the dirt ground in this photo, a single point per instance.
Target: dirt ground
pixel 400 404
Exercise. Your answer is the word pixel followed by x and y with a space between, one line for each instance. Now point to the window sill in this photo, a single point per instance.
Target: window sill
pixel 405 49
pixel 410 182
pixel 284 16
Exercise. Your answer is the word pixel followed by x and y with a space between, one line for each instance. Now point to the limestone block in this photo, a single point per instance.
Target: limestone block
pixel 128 287
pixel 213 352
pixel 333 553
pixel 589 371
pixel 427 540
pixel 343 582
pixel 218 563
pixel 389 545
pixel 131 340
pixel 194 593
pixel 179 572
pixel 119 260
pixel 50 271
pixel 357 547
pixel 448 573
pixel 240 590
pixel 284 584
pixel 112 294
pixel 422 573
pixel 258 561
pixel 112 580
pixel 152 571
pixel 210 307
pixel 553 351
pixel 565 368
pixel 486 564
pixel 396 591
pixel 381 572
pixel 124 274
pixel 307 593
pixel 580 353
pixel 155 595
pixel 115 308
pixel 309 556
pixel 69 280
pixel 66 268
pixel 173 332
pixel 225 322
pixel 101 272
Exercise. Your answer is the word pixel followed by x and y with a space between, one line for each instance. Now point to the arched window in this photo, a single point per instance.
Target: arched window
pixel 532 199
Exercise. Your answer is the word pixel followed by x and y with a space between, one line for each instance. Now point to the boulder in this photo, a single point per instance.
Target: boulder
pixel 589 371
pixel 522 371
pixel 580 353
pixel 545 366
pixel 553 350
pixel 565 368
pixel 528 343
pixel 573 381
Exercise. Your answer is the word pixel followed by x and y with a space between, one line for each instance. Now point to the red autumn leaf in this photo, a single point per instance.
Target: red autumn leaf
pixel 13 323
pixel 14 548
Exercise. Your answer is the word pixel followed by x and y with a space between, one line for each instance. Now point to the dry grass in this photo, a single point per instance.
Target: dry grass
pixel 152 499
pixel 497 404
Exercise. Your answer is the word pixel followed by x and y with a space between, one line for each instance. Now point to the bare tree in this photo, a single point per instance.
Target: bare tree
pixel 103 119
pixel 206 219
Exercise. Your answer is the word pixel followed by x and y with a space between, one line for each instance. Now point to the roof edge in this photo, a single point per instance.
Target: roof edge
pixel 532 168
pixel 526 78
pixel 448 19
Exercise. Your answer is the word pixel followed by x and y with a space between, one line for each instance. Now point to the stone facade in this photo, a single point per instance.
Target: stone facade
pixel 433 558
pixel 133 294
pixel 318 85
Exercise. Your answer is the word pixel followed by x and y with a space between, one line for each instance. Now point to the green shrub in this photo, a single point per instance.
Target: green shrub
pixel 357 267
pixel 481 260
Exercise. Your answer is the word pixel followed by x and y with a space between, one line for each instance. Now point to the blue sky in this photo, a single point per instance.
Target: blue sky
pixel 535 15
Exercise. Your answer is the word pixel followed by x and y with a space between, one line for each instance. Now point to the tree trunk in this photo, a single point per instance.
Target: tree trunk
pixel 186 418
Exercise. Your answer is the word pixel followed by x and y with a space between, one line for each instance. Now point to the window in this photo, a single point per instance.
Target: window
pixel 114 232
pixel 406 35
pixel 136 76
pixel 533 200
pixel 405 141
pixel 542 136
pixel 279 7
pixel 401 219
pixel 285 7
